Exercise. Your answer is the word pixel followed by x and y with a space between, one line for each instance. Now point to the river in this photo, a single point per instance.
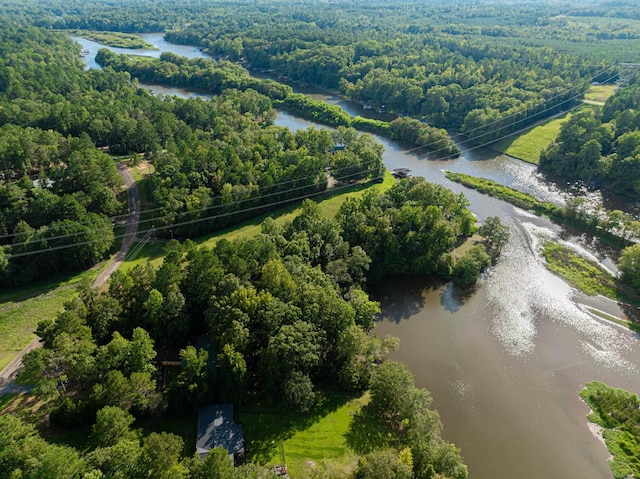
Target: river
pixel 505 362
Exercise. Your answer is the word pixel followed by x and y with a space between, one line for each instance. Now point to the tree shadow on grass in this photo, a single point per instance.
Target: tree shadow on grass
pixel 365 434
pixel 266 427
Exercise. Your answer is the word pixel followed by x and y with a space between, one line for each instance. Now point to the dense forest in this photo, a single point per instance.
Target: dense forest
pixel 476 87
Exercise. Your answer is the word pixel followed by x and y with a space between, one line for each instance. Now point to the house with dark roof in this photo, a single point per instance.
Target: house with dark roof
pixel 216 428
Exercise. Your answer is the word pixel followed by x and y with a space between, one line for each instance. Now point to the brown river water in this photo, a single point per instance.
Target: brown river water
pixel 505 362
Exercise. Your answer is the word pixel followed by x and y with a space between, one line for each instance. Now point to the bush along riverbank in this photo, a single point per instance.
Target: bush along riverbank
pixel 618 412
pixel 218 76
pixel 590 278
pixel 615 228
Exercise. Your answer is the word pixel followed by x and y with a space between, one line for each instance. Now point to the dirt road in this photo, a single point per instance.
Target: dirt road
pixel 8 374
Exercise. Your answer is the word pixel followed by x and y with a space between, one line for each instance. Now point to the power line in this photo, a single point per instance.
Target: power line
pixel 257 198
pixel 197 220
pixel 116 218
pixel 174 215
pixel 177 214
pixel 498 129
pixel 518 112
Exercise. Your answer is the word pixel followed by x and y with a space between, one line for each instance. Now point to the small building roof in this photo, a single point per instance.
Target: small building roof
pixel 216 428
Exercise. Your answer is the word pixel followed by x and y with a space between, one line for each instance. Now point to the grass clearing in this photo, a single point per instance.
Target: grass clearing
pixel 466 246
pixel 140 169
pixel 307 438
pixel 528 145
pixel 599 94
pixel 22 309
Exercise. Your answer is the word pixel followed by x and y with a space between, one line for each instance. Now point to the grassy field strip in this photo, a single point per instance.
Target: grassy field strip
pixel 527 146
pixel 22 310
pixel 329 207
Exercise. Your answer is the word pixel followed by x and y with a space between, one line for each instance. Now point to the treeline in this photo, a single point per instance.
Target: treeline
pixel 600 148
pixel 201 73
pixel 285 314
pixel 218 76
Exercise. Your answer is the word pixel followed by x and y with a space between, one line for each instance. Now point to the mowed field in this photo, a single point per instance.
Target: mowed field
pixel 301 439
pixel 528 145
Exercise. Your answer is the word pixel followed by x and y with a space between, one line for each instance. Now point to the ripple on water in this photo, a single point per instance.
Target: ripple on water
pixel 510 292
pixel 522 292
pixel 522 177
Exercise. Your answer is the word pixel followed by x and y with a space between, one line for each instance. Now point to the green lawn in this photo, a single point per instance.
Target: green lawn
pixel 599 94
pixel 528 145
pixel 22 309
pixel 302 440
